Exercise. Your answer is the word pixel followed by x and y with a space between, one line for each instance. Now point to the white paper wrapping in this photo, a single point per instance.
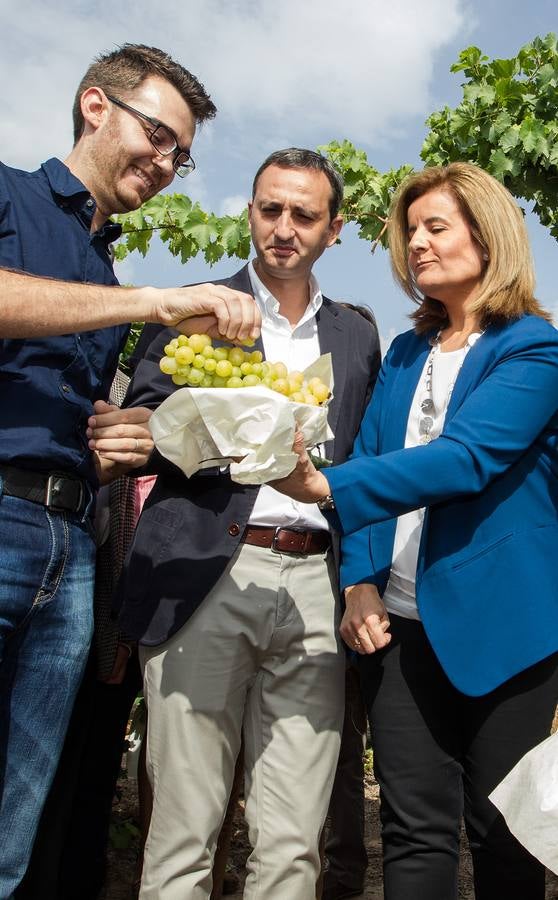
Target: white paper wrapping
pixel 196 428
pixel 528 800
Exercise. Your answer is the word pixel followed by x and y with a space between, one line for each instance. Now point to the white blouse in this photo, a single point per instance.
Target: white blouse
pixel 399 596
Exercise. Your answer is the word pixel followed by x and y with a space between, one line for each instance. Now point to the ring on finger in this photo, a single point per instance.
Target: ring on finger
pixel 136 448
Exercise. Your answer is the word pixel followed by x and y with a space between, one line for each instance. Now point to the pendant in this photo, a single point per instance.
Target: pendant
pixel 425 425
pixel 425 438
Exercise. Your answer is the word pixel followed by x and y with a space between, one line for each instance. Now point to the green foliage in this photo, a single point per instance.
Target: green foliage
pixel 369 761
pixel 123 835
pixel 185 228
pixel 506 123
pixel 368 192
pixel 129 347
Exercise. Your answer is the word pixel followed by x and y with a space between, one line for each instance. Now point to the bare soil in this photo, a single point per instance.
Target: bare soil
pixel 122 861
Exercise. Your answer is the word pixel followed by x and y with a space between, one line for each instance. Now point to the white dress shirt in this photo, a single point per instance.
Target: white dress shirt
pixel 298 347
pixel 400 594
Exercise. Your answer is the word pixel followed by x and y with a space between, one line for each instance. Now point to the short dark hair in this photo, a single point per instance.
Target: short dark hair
pixel 122 70
pixel 295 158
pixel 359 308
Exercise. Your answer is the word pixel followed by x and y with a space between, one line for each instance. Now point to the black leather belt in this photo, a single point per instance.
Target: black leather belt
pixel 287 540
pixel 52 489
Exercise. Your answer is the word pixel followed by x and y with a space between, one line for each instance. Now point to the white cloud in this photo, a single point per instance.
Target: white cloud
pixel 233 206
pixel 281 74
pixel 297 69
pixel 126 270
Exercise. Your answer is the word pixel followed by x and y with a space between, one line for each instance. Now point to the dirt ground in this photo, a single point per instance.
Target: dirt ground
pixel 122 861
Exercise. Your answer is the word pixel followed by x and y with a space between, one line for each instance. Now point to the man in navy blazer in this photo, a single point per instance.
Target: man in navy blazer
pixel 232 592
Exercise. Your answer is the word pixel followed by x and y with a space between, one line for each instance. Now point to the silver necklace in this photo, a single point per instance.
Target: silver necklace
pixel 426 418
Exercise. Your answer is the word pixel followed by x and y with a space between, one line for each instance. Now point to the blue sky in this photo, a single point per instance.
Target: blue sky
pixel 302 73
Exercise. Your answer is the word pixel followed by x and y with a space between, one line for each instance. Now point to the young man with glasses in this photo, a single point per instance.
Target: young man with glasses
pixel 163 139
pixel 60 335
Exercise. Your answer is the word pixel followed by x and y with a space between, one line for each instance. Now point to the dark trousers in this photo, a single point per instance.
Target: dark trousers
pixel 437 756
pixel 344 848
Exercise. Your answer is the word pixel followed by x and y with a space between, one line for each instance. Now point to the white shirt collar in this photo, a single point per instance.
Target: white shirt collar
pixel 269 306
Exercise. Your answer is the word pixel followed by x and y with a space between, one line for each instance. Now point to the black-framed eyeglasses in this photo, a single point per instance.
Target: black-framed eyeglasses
pixel 162 139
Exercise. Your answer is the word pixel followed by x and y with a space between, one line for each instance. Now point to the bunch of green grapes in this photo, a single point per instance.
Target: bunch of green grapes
pixel 195 362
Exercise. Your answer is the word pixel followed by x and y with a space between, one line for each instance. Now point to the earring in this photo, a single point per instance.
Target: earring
pixel 485 256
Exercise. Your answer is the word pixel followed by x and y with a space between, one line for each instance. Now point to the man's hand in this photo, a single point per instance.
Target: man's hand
pixel 365 624
pixel 210 309
pixel 120 438
pixel 304 483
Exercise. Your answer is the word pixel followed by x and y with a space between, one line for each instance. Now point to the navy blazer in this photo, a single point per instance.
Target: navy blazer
pixel 487 574
pixel 190 527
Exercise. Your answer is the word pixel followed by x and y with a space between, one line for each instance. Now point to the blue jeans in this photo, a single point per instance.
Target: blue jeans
pixel 46 622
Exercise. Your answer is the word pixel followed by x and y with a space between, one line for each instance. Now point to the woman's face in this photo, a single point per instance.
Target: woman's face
pixel 446 261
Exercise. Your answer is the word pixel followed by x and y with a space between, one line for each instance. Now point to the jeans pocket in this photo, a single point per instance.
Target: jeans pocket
pixel 33 552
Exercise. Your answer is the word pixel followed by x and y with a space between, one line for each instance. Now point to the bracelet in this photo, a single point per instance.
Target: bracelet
pixel 128 646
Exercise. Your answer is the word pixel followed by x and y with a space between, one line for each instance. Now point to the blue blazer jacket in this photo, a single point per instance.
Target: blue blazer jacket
pixel 487 574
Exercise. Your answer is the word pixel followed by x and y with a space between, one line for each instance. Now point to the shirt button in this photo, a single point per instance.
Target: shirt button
pixel 234 529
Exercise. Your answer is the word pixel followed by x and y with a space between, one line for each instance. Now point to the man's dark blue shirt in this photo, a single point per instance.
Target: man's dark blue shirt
pixel 48 385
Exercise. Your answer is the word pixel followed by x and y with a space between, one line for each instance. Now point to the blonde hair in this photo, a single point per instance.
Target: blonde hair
pixel 496 224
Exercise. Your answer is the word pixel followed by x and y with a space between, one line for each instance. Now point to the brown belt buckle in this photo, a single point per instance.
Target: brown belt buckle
pixel 274 547
pixel 297 552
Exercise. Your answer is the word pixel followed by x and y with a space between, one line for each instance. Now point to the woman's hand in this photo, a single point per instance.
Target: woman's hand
pixel 365 624
pixel 304 483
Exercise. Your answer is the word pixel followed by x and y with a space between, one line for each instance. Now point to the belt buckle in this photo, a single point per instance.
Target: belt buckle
pixel 50 491
pixel 274 548
pixel 294 528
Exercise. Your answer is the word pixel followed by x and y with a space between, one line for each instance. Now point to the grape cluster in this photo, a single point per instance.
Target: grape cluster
pixel 195 362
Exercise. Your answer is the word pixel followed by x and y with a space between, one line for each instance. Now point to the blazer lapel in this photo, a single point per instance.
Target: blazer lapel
pixel 333 339
pixel 408 367
pixel 473 369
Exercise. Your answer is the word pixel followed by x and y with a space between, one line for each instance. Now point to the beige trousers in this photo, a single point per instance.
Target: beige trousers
pixel 260 653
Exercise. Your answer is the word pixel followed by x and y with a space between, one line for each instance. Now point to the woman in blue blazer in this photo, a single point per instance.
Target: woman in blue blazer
pixel 449 511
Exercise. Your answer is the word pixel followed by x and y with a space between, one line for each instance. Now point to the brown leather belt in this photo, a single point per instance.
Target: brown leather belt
pixel 287 540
